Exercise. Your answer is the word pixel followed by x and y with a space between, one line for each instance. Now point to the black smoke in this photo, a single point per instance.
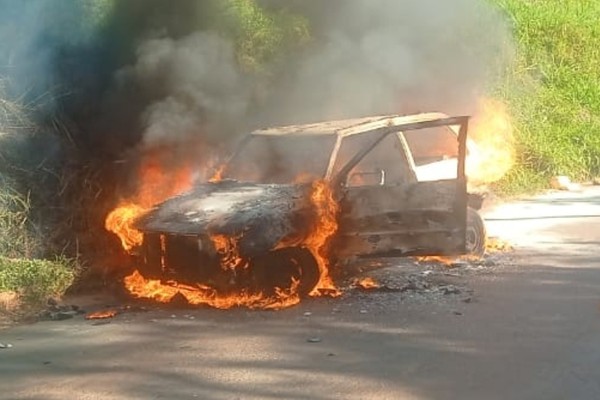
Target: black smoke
pixel 107 80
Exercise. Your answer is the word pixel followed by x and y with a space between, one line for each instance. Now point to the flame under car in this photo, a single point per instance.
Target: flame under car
pixel 263 228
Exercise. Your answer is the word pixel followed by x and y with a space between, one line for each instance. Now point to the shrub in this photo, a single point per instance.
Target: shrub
pixel 15 239
pixel 36 280
pixel 33 280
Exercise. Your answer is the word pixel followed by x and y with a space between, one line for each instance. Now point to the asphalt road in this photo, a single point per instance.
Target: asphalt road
pixel 526 328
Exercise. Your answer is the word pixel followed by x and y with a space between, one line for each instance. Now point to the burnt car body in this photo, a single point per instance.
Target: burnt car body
pixel 261 210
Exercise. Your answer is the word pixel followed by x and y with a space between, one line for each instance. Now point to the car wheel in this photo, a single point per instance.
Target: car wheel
pixel 278 268
pixel 476 234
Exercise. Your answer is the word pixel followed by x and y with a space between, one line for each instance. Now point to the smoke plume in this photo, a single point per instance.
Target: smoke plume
pixel 202 88
pixel 116 78
pixel 388 56
pixel 149 72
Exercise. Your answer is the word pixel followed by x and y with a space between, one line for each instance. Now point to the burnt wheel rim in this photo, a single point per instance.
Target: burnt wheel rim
pixel 475 234
pixel 472 240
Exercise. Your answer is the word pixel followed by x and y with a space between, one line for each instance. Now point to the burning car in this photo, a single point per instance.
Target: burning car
pixel 293 202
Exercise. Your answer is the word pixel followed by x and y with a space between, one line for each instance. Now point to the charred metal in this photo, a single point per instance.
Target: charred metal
pixel 263 208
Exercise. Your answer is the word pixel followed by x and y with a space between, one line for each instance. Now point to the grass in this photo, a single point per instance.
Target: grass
pixel 554 92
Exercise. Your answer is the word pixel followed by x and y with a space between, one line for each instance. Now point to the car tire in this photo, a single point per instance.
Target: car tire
pixel 476 234
pixel 277 269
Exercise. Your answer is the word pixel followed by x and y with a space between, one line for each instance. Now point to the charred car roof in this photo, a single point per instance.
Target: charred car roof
pixel 348 127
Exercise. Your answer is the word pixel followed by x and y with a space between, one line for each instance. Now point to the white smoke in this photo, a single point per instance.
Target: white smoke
pixel 390 56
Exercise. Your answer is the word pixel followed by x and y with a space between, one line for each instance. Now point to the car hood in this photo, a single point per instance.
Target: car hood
pixel 263 214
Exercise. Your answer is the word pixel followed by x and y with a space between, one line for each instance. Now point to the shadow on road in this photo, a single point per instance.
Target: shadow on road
pixel 530 331
pixel 499 343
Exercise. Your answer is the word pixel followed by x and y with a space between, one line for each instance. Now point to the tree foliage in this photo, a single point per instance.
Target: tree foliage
pixel 261 36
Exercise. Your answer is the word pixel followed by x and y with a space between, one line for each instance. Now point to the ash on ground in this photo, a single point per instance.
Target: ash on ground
pixel 414 280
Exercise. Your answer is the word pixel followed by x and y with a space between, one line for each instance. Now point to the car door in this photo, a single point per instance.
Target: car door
pixel 385 211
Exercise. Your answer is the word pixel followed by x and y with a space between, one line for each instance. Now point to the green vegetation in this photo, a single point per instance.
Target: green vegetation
pixel 261 37
pixel 15 240
pixel 554 93
pixel 76 21
pixel 36 280
pixel 33 280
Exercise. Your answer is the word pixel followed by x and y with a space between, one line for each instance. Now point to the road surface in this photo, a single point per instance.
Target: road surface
pixel 527 327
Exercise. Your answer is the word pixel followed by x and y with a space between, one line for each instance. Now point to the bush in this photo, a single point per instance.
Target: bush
pixel 36 280
pixel 31 279
pixel 262 37
pixel 15 239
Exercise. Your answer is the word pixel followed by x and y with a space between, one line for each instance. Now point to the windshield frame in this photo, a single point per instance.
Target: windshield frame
pixel 245 140
pixel 380 133
pixel 459 124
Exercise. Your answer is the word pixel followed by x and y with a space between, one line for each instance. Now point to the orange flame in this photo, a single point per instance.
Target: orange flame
pixel 155 188
pixel 326 209
pixel 492 245
pixel 491 130
pixel 218 174
pixel 120 221
pixel 156 185
pixel 495 245
pixel 228 251
pixel 437 259
pixel 102 314
pixel 201 294
pixel 318 241
pixel 367 283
